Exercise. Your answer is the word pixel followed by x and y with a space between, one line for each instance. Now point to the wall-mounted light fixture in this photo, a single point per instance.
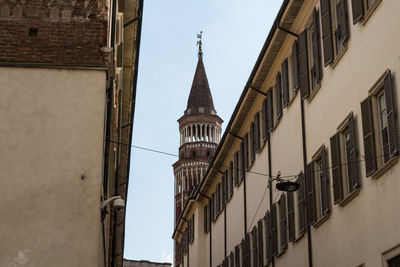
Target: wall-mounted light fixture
pixel 286 186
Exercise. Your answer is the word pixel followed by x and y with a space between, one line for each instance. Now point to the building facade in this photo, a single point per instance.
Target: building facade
pixel 319 109
pixel 68 72
pixel 200 132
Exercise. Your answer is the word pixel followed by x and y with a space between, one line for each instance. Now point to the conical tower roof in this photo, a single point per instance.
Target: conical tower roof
pixel 200 98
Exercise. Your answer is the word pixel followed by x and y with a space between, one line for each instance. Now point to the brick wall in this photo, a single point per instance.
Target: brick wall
pixel 53 31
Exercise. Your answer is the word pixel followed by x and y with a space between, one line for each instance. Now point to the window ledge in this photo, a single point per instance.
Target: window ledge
pixel 339 56
pixel 281 252
pixel 299 237
pixel 277 122
pixel 349 197
pixel 385 167
pixel 369 12
pixel 314 92
pixel 292 98
pixel 321 220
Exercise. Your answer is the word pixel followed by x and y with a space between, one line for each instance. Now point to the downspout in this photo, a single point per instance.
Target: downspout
pixel 112 44
pixel 210 244
pixel 225 230
pixel 303 133
pixel 245 205
pixel 270 187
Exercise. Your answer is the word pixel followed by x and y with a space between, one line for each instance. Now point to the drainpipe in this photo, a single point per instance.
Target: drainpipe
pixel 303 133
pixel 270 187
pixel 112 41
pixel 225 229
pixel 245 205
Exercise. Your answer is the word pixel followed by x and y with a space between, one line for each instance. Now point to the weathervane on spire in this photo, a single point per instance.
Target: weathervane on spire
pixel 199 43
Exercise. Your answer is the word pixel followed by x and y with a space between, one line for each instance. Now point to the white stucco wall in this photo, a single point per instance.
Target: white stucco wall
pixel 52 123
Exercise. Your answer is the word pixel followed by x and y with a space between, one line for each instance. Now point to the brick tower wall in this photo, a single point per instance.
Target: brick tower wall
pixel 65 32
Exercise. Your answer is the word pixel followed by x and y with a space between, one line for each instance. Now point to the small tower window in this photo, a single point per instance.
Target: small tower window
pixel 208 153
pixel 193 154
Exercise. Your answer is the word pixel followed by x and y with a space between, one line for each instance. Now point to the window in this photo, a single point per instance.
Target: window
pixel 212 207
pixel 237 256
pixel 362 9
pixel 269 112
pixel 260 239
pixel 252 143
pixel 345 179
pixel 218 200
pixel 335 28
pixel 317 184
pixel 282 223
pixel 278 97
pixel 379 125
pixel 309 55
pixel 254 250
pixel 391 258
pixel 267 221
pixel 256 132
pixel 231 171
pixel 301 206
pixel 236 168
pixel 191 229
pixel 394 262
pixel 314 55
pixel 205 219
pixel 291 216
pixel 232 259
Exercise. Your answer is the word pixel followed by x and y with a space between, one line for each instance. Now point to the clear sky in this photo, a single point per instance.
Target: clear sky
pixel 234 32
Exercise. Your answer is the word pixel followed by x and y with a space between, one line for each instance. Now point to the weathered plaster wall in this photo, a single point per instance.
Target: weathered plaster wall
pixel 52 124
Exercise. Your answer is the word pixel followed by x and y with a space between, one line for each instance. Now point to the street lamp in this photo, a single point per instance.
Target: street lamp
pixel 286 186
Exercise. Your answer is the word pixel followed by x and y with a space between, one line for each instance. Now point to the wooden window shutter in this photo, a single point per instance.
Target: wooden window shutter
pixel 301 204
pixel 291 221
pixel 205 219
pixel 237 256
pixel 358 10
pixel 243 252
pixel 316 71
pixel 232 259
pixel 254 246
pixel 193 226
pixel 267 220
pixel 368 136
pixel 295 65
pixel 344 21
pixel 270 111
pixel 337 182
pixel 304 82
pixel 260 239
pixel 310 199
pixel 325 196
pixel 209 216
pixel 278 90
pixel 213 209
pixel 231 172
pixel 274 231
pixel 354 179
pixel 247 250
pixel 242 161
pixel 285 83
pixel 224 188
pixel 391 118
pixel 252 142
pixel 264 119
pixel 246 150
pixel 327 39
pixel 218 199
pixel 283 222
pixel 257 131
pixel 236 168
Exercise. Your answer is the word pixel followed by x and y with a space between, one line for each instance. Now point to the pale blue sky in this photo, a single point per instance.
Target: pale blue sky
pixel 234 32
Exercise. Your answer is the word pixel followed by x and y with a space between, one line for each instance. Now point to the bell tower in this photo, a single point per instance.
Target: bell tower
pixel 200 132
